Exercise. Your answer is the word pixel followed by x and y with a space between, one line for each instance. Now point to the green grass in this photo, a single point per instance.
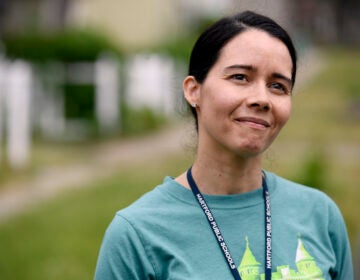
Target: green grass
pixel 49 155
pixel 60 239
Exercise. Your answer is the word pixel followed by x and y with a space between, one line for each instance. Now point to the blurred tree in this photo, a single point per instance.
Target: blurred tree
pixel 328 21
pixel 45 15
pixel 347 20
pixel 313 172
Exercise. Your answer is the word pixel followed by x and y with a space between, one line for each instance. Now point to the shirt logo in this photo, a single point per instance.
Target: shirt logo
pixel 307 268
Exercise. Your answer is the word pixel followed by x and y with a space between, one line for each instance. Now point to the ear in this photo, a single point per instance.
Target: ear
pixel 191 90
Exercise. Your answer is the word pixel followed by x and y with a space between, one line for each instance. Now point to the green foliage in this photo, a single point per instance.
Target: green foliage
pixel 64 46
pixel 353 90
pixel 180 47
pixel 314 171
pixel 353 93
pixel 342 72
pixel 79 101
pixel 67 45
pixel 138 121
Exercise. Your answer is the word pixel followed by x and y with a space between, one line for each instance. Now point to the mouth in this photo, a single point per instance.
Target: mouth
pixel 253 122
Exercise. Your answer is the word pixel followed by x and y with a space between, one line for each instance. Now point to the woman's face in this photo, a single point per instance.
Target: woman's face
pixel 245 99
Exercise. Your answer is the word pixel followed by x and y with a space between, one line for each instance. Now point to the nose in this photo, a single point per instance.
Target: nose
pixel 259 98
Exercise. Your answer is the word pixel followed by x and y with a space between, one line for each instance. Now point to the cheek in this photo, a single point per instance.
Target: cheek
pixel 215 100
pixel 284 112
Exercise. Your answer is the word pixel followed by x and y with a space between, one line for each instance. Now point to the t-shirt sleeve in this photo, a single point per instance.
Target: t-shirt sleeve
pixel 122 254
pixel 341 245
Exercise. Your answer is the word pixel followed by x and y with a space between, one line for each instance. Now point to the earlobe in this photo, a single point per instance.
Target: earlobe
pixel 191 90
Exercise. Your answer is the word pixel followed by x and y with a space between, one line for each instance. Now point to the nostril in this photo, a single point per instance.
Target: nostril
pixel 263 106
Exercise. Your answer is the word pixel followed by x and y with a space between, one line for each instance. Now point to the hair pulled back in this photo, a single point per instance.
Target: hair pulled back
pixel 207 48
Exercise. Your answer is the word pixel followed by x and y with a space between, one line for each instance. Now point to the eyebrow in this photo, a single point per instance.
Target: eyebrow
pixel 240 66
pixel 282 77
pixel 252 68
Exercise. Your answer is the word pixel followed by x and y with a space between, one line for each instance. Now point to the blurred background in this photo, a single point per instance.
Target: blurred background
pixel 92 116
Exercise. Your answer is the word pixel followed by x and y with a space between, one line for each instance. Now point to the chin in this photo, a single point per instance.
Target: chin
pixel 250 151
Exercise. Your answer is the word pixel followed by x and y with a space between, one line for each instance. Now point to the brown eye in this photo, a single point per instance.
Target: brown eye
pixel 280 88
pixel 239 77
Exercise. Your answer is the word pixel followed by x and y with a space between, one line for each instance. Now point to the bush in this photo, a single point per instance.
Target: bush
pixel 79 101
pixel 313 173
pixel 353 93
pixel 67 46
pixel 180 47
pixel 137 121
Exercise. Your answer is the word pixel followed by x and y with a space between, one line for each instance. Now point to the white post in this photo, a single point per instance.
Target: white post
pixel 166 84
pixel 2 99
pixel 48 100
pixel 151 83
pixel 107 86
pixel 19 88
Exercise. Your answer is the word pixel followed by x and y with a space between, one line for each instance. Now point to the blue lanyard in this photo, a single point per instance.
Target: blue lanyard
pixel 218 235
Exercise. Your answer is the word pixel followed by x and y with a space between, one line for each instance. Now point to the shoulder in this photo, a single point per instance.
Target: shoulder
pixel 310 206
pixel 293 190
pixel 299 196
pixel 130 222
pixel 152 207
pixel 124 252
pixel 142 222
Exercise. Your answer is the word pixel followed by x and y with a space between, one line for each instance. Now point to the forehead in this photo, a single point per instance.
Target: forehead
pixel 257 48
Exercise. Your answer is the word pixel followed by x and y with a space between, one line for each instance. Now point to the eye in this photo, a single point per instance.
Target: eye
pixel 239 77
pixel 279 88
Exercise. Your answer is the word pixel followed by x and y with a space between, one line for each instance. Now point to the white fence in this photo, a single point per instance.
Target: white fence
pixel 31 98
pixel 151 82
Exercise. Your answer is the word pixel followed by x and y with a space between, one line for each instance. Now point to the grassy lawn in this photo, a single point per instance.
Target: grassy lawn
pixel 49 155
pixel 60 238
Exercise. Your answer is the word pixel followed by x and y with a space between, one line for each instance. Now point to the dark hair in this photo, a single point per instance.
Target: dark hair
pixel 207 48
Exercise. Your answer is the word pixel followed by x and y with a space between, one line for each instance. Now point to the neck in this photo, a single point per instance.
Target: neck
pixel 222 177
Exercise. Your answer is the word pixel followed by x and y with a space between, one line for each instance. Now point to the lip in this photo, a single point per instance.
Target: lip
pixel 253 122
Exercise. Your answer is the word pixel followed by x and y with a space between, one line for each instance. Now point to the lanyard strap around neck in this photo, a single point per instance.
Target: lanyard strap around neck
pixel 218 235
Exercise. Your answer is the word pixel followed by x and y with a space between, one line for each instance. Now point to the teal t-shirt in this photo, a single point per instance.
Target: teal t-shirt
pixel 165 235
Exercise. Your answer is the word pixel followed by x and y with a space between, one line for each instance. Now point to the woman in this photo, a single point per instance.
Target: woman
pixel 226 218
